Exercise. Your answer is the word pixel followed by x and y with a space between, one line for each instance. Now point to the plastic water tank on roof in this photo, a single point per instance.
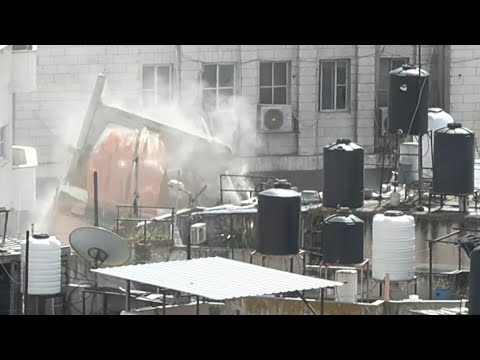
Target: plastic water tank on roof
pixel 437 119
pixel 393 246
pixel 278 222
pixel 44 265
pixel 343 174
pixel 454 160
pixel 348 292
pixel 342 238
pixel 407 111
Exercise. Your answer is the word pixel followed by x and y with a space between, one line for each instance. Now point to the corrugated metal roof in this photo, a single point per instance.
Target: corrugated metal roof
pixel 443 311
pixel 217 278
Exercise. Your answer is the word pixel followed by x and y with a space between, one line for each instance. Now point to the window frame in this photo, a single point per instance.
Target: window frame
pixel 347 85
pixel 217 88
pixel 155 83
pixel 386 90
pixel 287 86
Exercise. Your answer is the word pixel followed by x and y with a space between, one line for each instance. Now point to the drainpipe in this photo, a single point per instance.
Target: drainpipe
pixel 446 77
pixel 355 109
pixel 298 99
pixel 178 50
pixel 13 119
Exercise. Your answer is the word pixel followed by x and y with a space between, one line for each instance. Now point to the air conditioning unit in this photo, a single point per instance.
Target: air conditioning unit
pixel 276 119
pixel 198 233
pixel 383 119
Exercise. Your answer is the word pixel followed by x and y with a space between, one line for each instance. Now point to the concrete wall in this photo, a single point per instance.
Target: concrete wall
pixel 282 306
pixel 465 85
pixel 6 124
pixel 50 117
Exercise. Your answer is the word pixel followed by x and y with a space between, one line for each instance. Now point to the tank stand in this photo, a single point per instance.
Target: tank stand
pixel 382 283
pixel 463 204
pixel 301 254
pixel 364 268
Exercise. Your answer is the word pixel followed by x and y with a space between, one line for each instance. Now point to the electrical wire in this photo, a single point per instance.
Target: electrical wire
pixel 190 58
pixel 8 274
pixel 421 91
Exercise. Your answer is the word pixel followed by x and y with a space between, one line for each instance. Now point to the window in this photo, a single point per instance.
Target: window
pixel 387 65
pixel 274 84
pixel 22 47
pixel 2 141
pixel 334 85
pixel 156 84
pixel 218 86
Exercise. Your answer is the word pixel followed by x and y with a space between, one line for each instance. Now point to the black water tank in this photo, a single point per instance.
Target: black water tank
pixel 343 174
pixel 342 239
pixel 405 86
pixel 474 296
pixel 278 222
pixel 453 160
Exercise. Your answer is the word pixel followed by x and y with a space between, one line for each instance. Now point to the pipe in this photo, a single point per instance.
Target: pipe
pixel 355 109
pixel 297 91
pixel 127 296
pixel 178 49
pixel 420 137
pixel 25 275
pixel 322 297
pixel 189 238
pixel 95 198
pixel 308 304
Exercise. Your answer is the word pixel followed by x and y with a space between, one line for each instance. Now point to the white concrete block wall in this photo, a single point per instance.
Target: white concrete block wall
pixel 67 73
pixel 465 85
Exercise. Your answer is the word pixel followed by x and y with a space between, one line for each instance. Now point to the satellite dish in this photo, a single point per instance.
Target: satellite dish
pixel 99 246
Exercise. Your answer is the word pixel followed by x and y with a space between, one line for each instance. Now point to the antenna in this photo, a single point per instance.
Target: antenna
pixel 99 246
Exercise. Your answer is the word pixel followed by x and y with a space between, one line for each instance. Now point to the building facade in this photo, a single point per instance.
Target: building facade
pixel 17 75
pixel 277 104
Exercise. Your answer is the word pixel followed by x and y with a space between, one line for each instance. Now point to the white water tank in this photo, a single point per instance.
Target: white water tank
pixel 347 293
pixel 24 182
pixel 44 265
pixel 393 247
pixel 437 119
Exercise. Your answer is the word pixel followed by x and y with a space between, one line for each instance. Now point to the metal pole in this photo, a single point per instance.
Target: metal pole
pixel 145 232
pixel 95 198
pixel 420 145
pixel 221 190
pixel 198 305
pixel 322 299
pixel 164 302
pixel 459 258
pixel 5 226
pixel 189 239
pixel 173 225
pixel 25 275
pixel 127 296
pixel 307 303
pixel 430 269
pixel 84 305
pixel 420 169
pixel 291 264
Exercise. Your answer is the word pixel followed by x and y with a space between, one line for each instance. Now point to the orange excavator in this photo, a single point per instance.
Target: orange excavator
pixel 132 156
